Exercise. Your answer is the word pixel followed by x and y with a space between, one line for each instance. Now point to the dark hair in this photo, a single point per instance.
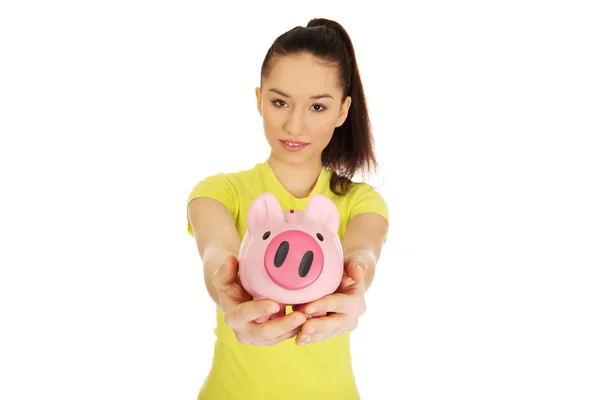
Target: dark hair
pixel 351 147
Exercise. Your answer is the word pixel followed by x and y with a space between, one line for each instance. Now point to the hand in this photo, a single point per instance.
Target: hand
pixel 342 308
pixel 240 310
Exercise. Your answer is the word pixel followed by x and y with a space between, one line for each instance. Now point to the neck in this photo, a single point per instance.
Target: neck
pixel 298 179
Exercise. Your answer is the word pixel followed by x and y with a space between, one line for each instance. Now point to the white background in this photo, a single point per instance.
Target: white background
pixel 487 119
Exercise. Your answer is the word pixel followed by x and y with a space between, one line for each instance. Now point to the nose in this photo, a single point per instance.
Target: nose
pixel 294 260
pixel 293 123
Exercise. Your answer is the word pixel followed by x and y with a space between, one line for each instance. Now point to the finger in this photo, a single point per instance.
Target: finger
pixel 303 338
pixel 319 329
pixel 353 279
pixel 337 303
pixel 323 325
pixel 332 327
pixel 289 334
pixel 279 326
pixel 300 307
pixel 248 311
pixel 355 270
pixel 346 283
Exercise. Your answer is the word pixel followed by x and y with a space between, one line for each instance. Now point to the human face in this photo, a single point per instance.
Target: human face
pixel 301 105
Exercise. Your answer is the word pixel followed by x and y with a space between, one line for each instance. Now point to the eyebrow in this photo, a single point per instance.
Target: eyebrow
pixel 319 96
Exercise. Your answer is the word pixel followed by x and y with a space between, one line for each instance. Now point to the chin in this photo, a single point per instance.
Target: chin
pixel 292 159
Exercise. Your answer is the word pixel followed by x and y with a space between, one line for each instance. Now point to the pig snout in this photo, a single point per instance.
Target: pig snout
pixel 294 259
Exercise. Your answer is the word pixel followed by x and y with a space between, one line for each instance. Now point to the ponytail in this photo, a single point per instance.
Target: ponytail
pixel 351 148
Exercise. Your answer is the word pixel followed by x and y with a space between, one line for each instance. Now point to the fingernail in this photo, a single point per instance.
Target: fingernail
pixel 306 340
pixel 312 330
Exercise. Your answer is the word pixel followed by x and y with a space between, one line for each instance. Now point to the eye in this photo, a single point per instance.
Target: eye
pixel 321 106
pixel 266 235
pixel 277 103
pixel 320 237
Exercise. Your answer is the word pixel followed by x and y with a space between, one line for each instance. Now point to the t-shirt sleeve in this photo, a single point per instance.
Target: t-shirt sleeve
pixel 217 187
pixel 367 199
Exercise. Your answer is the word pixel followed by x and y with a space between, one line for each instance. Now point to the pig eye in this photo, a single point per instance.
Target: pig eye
pixel 266 235
pixel 320 237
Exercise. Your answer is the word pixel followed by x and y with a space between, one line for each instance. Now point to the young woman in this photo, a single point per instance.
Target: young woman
pixel 316 122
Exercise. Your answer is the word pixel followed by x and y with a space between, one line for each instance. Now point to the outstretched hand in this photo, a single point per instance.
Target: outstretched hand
pixel 240 310
pixel 342 309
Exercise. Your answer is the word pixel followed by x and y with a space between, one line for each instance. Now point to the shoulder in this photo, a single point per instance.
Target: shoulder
pixel 211 185
pixel 364 198
pixel 223 180
pixel 360 188
pixel 219 186
pixel 359 191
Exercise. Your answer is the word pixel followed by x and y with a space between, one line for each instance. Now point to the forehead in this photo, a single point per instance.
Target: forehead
pixel 302 76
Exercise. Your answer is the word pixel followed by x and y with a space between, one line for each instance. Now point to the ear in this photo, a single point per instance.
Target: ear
pixel 265 209
pixel 344 111
pixel 258 100
pixel 322 210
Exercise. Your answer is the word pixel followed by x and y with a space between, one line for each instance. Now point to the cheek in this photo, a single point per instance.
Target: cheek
pixel 272 121
pixel 322 129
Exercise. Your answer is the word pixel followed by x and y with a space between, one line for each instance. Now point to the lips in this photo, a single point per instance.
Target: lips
pixel 293 142
pixel 293 145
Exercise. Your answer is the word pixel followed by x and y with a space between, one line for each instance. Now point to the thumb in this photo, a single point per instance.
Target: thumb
pixel 356 270
pixel 226 273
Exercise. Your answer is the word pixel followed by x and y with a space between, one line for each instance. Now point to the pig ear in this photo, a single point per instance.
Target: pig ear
pixel 321 209
pixel 264 210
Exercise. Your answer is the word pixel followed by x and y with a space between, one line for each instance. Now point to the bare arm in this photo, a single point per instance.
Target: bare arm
pixel 362 245
pixel 216 237
pixel 364 240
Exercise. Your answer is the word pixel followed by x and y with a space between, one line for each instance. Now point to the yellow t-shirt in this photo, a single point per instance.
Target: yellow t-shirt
pixel 285 371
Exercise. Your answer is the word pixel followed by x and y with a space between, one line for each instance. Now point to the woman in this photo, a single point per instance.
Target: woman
pixel 316 122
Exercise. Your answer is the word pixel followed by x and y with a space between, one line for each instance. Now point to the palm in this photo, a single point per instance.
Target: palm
pixel 237 292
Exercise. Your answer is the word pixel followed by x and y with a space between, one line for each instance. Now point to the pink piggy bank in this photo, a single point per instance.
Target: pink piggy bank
pixel 292 256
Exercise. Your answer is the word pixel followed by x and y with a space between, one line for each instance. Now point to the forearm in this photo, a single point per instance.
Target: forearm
pixel 364 240
pixel 216 237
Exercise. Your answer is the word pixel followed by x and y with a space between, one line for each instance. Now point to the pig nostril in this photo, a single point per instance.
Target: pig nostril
pixel 320 237
pixel 281 254
pixel 266 235
pixel 305 264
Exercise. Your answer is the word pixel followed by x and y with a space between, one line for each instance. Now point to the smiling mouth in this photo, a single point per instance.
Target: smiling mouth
pixel 294 144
